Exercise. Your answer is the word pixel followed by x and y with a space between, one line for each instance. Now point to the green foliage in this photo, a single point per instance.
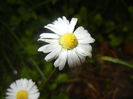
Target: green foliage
pixel 62 78
pixel 26 72
pixel 130 8
pixel 115 40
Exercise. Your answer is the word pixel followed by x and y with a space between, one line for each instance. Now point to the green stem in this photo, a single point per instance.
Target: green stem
pixel 9 63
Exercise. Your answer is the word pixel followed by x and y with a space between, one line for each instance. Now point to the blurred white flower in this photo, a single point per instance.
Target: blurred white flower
pixel 22 89
pixel 66 45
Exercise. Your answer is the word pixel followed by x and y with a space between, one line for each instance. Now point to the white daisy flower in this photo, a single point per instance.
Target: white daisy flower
pixel 22 89
pixel 66 45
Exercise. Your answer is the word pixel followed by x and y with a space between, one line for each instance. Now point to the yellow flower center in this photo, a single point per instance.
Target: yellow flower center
pixel 68 41
pixel 22 95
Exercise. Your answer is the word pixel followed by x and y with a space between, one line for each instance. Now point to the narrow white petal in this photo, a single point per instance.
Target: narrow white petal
pixel 73 59
pixel 84 49
pixel 10 93
pixel 49 35
pixel 62 26
pixel 48 40
pixel 65 20
pixel 30 85
pixel 79 31
pixel 70 61
pixel 34 96
pixel 47 48
pixel 72 25
pixel 60 20
pixel 10 90
pixel 54 54
pixel 13 86
pixel 19 85
pixel 61 60
pixel 81 57
pixel 83 35
pixel 24 83
pixel 52 28
pixel 33 90
pixel 11 97
pixel 86 40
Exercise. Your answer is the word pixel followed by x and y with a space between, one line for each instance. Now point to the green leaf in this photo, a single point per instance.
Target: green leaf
pixel 109 26
pixel 62 78
pixel 130 9
pixel 98 19
pixel 115 40
pixel 53 86
pixel 15 20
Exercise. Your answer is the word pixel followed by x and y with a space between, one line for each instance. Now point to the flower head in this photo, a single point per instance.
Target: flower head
pixel 22 89
pixel 66 45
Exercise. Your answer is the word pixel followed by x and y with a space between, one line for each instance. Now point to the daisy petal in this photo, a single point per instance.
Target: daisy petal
pixel 65 20
pixel 83 35
pixel 52 28
pixel 60 26
pixel 13 86
pixel 61 60
pixel 48 40
pixel 54 54
pixel 81 57
pixel 47 48
pixel 84 50
pixel 73 59
pixel 49 35
pixel 86 40
pixel 72 25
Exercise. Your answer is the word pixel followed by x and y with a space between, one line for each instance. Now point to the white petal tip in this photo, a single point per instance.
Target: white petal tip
pixel 46 59
pixel 45 26
pixel 39 50
pixel 93 40
pixel 39 39
pixel 55 65
pixel 75 19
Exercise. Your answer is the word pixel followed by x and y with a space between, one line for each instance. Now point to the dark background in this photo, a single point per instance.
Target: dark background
pixel 110 22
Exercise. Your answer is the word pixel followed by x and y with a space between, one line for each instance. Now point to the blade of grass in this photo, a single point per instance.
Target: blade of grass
pixel 116 60
pixel 9 63
pixel 38 69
